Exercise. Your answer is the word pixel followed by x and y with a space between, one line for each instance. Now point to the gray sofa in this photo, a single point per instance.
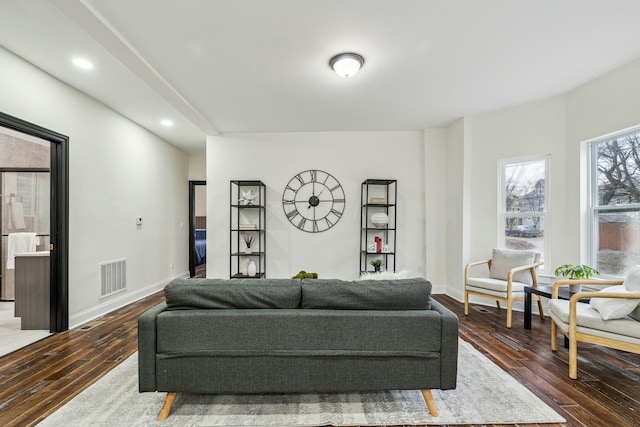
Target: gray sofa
pixel 215 336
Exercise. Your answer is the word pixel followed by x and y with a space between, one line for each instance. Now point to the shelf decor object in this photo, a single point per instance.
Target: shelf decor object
pixel 380 220
pixel 247 229
pixel 378 198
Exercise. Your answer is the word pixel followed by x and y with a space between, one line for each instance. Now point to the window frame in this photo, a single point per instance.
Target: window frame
pixel 594 208
pixel 544 214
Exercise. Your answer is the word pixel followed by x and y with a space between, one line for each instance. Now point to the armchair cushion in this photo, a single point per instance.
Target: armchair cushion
pixel 614 308
pixel 494 287
pixel 587 317
pixel 503 260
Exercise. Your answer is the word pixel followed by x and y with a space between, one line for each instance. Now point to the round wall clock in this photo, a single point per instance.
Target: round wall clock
pixel 313 201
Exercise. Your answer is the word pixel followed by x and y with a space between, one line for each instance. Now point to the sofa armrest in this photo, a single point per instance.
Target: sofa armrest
pixel 147 347
pixel 449 349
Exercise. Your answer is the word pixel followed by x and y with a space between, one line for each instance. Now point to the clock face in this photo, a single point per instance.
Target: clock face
pixel 313 201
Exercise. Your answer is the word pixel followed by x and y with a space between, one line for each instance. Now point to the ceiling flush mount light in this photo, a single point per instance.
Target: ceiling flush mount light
pixel 85 64
pixel 346 64
pixel 166 122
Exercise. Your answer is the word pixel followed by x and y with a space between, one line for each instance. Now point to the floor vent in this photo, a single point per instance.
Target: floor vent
pixel 113 277
pixel 508 341
pixel 90 325
pixel 480 309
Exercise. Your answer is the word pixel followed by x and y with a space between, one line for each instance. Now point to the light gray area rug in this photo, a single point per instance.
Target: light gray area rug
pixel 485 395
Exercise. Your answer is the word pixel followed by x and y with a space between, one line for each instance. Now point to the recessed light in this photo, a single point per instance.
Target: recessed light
pixel 85 64
pixel 166 122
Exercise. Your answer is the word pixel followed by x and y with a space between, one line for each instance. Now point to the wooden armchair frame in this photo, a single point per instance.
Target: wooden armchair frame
pixel 573 335
pixel 510 298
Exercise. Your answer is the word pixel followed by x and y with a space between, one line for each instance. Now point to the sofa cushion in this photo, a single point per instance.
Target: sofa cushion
pixel 189 294
pixel 311 333
pixel 614 308
pixel 503 260
pixel 400 294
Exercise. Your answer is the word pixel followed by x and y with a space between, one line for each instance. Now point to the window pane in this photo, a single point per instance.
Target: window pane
pixel 524 187
pixel 525 233
pixel 618 164
pixel 618 242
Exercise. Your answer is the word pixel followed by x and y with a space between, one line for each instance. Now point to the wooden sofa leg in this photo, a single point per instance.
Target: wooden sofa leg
pixel 431 404
pixel 166 408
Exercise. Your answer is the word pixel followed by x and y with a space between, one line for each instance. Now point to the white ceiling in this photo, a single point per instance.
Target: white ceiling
pixel 224 66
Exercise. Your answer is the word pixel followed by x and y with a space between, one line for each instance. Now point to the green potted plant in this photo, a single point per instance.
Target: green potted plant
pixel 304 275
pixel 248 240
pixel 376 263
pixel 575 272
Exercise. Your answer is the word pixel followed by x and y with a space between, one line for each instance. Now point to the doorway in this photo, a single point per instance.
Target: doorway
pixel 198 228
pixel 56 243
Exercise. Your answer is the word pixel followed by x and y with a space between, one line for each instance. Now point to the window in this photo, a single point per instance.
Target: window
pixel 615 203
pixel 523 204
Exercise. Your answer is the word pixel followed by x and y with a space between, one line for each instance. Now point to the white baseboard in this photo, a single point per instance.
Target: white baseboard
pixel 118 301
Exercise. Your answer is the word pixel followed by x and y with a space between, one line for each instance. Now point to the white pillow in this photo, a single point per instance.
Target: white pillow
pixel 632 281
pixel 614 308
pixel 503 260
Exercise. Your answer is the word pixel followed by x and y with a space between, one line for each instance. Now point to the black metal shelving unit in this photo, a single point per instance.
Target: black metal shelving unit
pixel 247 219
pixel 378 196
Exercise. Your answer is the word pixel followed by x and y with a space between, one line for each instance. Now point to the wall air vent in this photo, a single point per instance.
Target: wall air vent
pixel 113 277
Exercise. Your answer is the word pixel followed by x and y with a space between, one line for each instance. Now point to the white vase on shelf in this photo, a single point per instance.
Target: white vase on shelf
pixel 380 220
pixel 251 269
pixel 245 268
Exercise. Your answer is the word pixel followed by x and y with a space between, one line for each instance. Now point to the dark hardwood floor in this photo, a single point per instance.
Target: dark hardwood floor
pixel 38 379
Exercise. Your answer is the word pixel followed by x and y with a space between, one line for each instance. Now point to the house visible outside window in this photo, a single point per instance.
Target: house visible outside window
pixel 524 204
pixel 615 203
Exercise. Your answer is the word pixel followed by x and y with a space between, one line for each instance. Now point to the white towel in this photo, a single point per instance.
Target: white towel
pixel 16 215
pixel 20 243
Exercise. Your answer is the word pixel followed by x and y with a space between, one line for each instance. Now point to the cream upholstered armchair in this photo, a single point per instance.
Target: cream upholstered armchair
pixel 509 272
pixel 611 318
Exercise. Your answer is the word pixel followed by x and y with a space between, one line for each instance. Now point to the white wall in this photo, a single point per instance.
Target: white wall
pixel 117 171
pixel 558 126
pixel 200 201
pixel 535 128
pixel 456 203
pixel 198 167
pixel 351 157
pixel 608 104
pixel 435 236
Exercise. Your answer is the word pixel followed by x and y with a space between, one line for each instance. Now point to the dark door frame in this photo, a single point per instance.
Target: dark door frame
pixel 192 225
pixel 59 239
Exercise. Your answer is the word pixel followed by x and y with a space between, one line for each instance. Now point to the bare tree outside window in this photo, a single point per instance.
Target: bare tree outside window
pixel 616 203
pixel 524 206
